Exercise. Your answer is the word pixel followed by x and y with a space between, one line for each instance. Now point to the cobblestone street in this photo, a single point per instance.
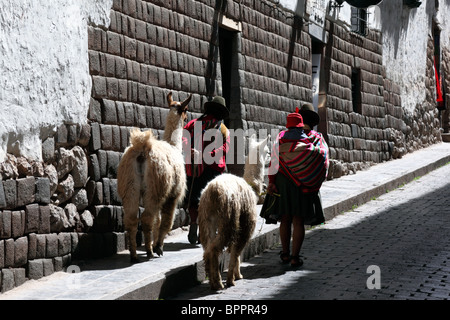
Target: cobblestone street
pixel 404 233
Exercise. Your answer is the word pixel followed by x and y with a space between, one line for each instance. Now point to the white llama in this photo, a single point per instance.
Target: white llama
pixel 153 171
pixel 227 214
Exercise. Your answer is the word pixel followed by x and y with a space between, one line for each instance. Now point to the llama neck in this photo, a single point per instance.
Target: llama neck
pixel 173 131
pixel 254 175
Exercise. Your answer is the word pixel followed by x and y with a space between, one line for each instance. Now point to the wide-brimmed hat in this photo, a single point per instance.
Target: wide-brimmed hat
pixel 294 120
pixel 217 107
pixel 310 116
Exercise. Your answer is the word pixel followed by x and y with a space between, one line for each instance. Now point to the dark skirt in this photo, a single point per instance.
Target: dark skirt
pixel 294 202
pixel 195 185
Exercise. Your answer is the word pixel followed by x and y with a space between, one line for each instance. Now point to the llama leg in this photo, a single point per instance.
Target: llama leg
pixel 247 226
pixel 215 280
pixel 131 223
pixel 234 272
pixel 147 226
pixel 167 216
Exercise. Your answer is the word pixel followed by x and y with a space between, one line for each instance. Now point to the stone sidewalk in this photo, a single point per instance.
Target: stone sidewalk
pixel 181 267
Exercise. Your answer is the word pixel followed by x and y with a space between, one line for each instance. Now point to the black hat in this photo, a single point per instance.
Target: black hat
pixel 310 116
pixel 217 107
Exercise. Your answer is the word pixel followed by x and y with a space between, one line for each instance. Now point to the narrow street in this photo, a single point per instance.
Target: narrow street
pixel 396 246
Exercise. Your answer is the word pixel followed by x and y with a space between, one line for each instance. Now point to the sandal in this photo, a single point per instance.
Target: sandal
pixel 285 257
pixel 296 261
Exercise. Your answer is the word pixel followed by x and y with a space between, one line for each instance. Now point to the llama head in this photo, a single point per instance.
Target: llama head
pixel 259 150
pixel 179 107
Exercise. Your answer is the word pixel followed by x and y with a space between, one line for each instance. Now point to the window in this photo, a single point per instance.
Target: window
pixel 356 90
pixel 359 21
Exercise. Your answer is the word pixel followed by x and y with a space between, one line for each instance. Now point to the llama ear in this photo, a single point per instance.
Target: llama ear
pixel 264 142
pixel 185 103
pixel 169 98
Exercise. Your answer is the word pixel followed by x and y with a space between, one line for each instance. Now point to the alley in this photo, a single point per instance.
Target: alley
pixel 393 247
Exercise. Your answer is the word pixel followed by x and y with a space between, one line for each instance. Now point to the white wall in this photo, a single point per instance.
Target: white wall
pixel 44 68
pixel 405 34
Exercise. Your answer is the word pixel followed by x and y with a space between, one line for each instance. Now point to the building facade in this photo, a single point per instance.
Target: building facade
pixel 379 82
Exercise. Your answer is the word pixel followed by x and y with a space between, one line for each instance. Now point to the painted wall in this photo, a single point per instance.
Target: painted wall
pixel 44 69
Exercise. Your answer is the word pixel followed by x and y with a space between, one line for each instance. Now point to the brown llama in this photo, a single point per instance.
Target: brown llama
pixel 152 171
pixel 227 214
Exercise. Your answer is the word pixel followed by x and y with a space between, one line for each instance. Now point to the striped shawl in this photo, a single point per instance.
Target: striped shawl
pixel 305 161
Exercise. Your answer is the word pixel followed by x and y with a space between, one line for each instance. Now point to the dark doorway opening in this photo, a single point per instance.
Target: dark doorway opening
pixel 226 38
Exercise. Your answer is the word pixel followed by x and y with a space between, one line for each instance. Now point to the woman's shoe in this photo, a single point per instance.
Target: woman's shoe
pixel 285 257
pixel 296 261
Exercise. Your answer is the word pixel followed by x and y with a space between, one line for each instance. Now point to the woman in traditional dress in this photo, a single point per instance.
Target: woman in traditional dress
pixel 208 157
pixel 299 165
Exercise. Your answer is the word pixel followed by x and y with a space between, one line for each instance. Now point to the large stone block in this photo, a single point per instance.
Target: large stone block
pixel 2 254
pixel 42 190
pixel 9 253
pixel 95 142
pixel 99 87
pixel 2 196
pixel 51 245
pixel 64 243
pixel 35 269
pixel 17 223
pixel 5 224
pixel 106 136
pixel 7 277
pixel 44 219
pixel 95 111
pixel 41 246
pixel 20 251
pixel 32 245
pixel 19 276
pixel 113 163
pixel 10 191
pixel 32 217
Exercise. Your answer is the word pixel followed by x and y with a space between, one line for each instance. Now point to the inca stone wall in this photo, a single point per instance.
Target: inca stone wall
pixel 379 129
pixel 276 67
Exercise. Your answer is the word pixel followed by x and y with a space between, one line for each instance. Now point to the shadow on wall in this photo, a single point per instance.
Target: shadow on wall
pixel 394 25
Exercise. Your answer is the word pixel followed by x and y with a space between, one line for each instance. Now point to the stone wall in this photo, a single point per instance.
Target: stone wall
pixel 379 129
pixel 356 134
